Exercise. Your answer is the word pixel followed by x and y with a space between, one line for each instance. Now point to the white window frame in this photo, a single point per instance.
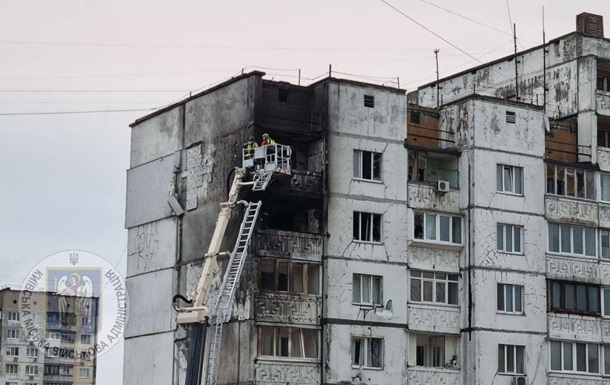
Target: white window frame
pixel 12 369
pixel 359 166
pixel 562 228
pixel 84 370
pixel 31 352
pixel 13 334
pixel 375 285
pixel 501 179
pixel 13 316
pixel 574 353
pixel 509 232
pixel 426 217
pixel 505 349
pixel 571 176
pixel 605 296
pixel 31 370
pixel 373 218
pixel 435 280
pixel 511 294
pixel 365 356
pixel 12 351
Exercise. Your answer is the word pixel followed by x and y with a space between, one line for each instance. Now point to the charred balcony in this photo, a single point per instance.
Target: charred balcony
pixel 561 141
pixel 289 109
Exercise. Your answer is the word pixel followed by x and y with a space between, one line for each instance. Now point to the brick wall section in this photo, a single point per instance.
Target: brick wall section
pixel 590 24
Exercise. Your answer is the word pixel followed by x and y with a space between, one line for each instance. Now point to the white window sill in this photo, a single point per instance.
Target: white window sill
pixel 366 367
pixel 574 256
pixel 513 374
pixel 422 304
pixel 367 242
pixel 510 253
pixel 290 360
pixel 510 313
pixel 370 306
pixel 367 180
pixel 436 245
pixel 511 194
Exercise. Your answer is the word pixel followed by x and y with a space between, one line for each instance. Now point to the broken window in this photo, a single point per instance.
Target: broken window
pixel 572 297
pixel 278 341
pixel 415 116
pixel 367 227
pixel 367 165
pixel 367 290
pixel 437 228
pixel 432 167
pixel 575 240
pixel 369 101
pixel 367 352
pixel 509 238
pixel 282 95
pixel 511 359
pixel 428 286
pixel 277 275
pixel 510 298
pixel 570 181
pixel 510 179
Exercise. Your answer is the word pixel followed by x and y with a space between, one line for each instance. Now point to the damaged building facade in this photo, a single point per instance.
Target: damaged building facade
pixel 443 258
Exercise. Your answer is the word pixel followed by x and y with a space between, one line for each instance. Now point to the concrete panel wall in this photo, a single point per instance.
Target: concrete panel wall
pixel 534 239
pixel 152 246
pixel 339 290
pixel 148 188
pixel 149 360
pixel 341 171
pixel 485 301
pixel 337 355
pixel 341 243
pixel 151 310
pixel 157 137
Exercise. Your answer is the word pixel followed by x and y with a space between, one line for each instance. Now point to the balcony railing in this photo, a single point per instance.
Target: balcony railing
pixel 431 318
pixel 571 379
pixel 287 308
pixel 287 244
pixel 571 210
pixel 282 373
pixel 567 267
pixel 578 327
pixel 433 376
pixel 426 197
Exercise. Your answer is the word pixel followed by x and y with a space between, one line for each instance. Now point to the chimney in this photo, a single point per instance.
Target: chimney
pixel 590 25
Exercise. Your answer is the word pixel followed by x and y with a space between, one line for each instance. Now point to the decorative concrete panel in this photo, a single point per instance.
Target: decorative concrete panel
pixel 602 100
pixel 580 269
pixel 425 197
pixel 151 246
pixel 289 244
pixel 556 379
pixel 430 258
pixel 276 373
pixel 433 376
pixel 575 327
pixel 148 188
pixel 287 308
pixel 571 210
pixel 439 319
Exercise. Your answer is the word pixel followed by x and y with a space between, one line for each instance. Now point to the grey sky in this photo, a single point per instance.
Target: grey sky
pixel 63 176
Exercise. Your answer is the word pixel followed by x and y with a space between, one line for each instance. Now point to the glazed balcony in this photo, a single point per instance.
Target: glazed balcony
pixel 433 376
pixel 282 373
pixel 433 318
pixel 288 244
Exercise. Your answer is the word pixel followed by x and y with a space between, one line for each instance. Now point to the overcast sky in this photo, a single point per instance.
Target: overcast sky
pixel 63 175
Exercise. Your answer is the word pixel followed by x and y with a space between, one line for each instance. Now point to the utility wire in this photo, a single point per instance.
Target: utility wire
pixel 91 91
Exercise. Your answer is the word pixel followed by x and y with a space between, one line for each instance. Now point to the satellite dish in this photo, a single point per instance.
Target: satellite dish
pixel 384 314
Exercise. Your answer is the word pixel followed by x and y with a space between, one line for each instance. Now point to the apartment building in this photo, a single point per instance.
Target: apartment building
pixel 475 249
pixel 69 358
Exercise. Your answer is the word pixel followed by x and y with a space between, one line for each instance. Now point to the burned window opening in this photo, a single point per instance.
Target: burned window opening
pixel 431 167
pixel 283 276
pixel 369 101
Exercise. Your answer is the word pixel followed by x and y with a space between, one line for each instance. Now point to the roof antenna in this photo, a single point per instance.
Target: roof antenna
pixel 544 87
pixel 437 78
pixel 516 69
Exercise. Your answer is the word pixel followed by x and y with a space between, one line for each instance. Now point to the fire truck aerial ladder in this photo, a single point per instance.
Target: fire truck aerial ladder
pixel 212 301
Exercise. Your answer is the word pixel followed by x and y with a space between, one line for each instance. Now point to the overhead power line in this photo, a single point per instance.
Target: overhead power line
pixel 91 91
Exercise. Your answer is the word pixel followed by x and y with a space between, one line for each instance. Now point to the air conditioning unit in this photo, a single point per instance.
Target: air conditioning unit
pixel 14 359
pixel 442 186
pixel 519 380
